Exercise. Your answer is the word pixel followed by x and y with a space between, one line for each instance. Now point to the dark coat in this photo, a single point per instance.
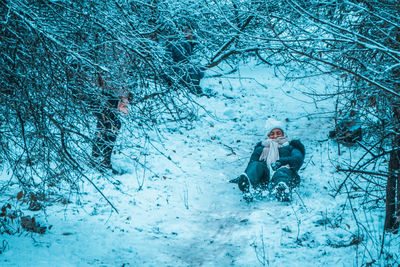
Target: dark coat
pixel 182 70
pixel 180 52
pixel 292 155
pixel 108 126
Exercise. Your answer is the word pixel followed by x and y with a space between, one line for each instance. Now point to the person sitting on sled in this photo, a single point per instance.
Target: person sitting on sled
pixel 277 155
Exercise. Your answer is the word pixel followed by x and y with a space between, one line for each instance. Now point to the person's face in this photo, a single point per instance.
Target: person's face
pixel 275 133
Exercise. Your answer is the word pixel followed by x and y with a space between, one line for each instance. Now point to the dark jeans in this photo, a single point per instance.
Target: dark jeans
pixel 259 175
pixel 192 79
pixel 256 170
pixel 286 175
pixel 108 126
pixel 187 76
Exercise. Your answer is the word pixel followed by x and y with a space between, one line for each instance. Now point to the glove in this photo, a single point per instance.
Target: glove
pixel 276 165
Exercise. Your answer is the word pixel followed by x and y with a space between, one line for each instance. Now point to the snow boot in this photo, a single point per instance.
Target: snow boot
pixel 282 192
pixel 244 183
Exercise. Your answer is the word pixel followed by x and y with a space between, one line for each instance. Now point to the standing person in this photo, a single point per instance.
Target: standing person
pixel 276 154
pixel 107 128
pixel 109 94
pixel 115 82
pixel 108 125
pixel 179 53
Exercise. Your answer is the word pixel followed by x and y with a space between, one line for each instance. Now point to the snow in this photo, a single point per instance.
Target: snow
pixel 187 214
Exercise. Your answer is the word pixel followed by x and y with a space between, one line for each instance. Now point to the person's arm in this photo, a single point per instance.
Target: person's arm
pixel 295 160
pixel 258 144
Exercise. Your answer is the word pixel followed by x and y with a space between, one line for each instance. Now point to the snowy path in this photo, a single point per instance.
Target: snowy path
pixel 190 215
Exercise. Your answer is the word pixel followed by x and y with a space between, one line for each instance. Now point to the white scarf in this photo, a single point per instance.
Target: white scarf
pixel 270 152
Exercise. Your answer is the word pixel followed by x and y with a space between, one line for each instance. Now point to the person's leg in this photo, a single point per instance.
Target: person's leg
pixel 258 173
pixel 99 141
pixel 195 75
pixel 107 152
pixel 113 127
pixel 285 175
pixel 98 146
pixel 282 182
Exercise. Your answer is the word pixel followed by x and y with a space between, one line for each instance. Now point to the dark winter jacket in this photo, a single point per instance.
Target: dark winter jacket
pixel 182 70
pixel 292 154
pixel 180 52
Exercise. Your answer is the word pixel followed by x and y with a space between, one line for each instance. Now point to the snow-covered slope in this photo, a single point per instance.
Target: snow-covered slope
pixel 187 214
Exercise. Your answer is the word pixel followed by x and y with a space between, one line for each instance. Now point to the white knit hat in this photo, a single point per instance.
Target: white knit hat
pixel 271 124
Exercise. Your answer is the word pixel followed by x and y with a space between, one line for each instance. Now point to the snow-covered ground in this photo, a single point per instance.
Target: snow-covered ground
pixel 187 214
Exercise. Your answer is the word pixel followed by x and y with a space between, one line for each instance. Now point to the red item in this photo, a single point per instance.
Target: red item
pixel 123 105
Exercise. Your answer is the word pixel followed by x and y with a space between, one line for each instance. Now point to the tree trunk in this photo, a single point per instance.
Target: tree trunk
pixel 390 196
pixel 391 223
pixel 397 221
